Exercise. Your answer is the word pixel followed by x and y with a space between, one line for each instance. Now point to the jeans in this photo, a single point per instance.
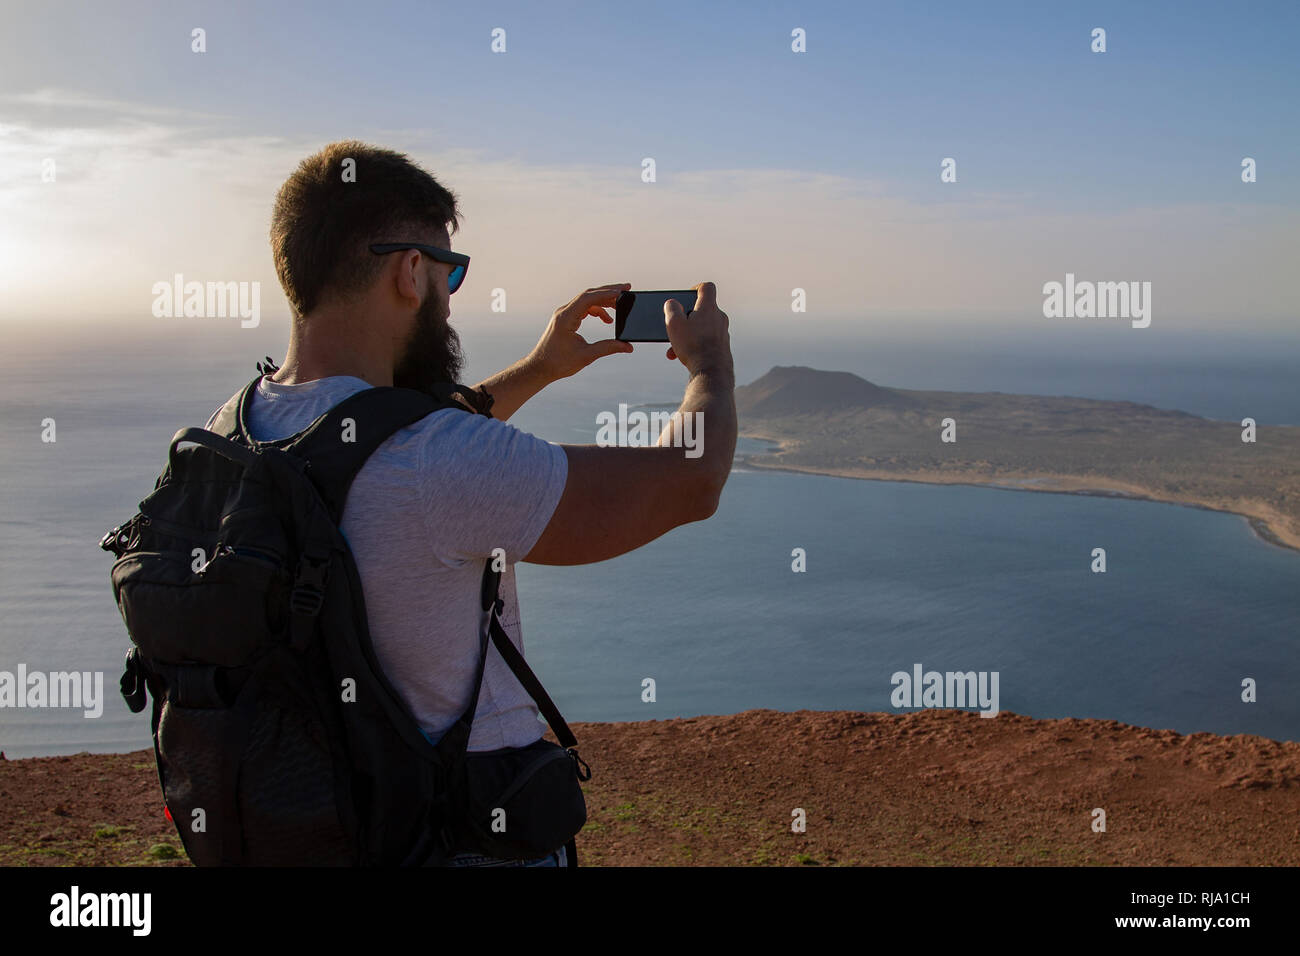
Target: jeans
pixel 559 858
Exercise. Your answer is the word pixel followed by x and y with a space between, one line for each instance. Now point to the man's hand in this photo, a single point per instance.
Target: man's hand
pixel 562 351
pixel 617 499
pixel 559 353
pixel 701 340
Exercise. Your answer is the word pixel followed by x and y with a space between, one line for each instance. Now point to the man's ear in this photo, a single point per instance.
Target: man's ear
pixel 409 279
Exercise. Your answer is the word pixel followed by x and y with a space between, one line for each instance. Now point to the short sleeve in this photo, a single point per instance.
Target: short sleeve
pixel 484 485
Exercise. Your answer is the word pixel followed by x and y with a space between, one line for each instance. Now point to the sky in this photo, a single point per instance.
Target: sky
pixel 775 170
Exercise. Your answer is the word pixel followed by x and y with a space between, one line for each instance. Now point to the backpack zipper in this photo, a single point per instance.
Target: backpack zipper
pixel 256 554
pixel 243 551
pixel 125 536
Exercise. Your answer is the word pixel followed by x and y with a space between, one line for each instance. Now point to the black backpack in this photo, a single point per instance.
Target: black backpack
pixel 278 739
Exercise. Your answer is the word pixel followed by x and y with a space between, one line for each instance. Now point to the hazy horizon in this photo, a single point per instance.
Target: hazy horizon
pixel 775 170
pixel 1223 373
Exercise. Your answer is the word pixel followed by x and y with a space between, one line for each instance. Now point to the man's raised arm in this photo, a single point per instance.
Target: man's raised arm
pixel 559 353
pixel 617 499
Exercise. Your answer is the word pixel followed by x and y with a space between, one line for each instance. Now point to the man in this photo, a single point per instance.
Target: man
pixel 437 498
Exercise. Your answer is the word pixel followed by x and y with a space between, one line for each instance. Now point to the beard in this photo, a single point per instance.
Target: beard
pixel 432 353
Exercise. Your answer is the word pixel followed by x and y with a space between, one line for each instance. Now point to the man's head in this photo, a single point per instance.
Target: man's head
pixel 327 214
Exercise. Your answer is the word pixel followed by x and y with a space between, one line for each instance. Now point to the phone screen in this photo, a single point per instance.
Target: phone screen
pixel 639 316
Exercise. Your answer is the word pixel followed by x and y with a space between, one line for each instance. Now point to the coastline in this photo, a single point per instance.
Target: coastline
pixel 1258 524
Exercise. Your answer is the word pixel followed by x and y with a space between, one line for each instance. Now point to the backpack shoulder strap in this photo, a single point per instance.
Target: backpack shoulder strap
pixel 376 414
pixel 492 604
pixel 228 420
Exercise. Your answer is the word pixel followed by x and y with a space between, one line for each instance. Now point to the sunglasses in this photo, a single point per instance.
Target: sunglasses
pixel 458 262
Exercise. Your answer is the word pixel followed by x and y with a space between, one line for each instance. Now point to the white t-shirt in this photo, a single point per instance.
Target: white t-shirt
pixel 424 512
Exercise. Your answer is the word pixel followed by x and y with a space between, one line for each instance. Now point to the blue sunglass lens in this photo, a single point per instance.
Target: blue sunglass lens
pixel 456 277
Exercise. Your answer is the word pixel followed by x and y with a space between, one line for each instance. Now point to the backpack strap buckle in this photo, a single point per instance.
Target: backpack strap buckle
pixel 124 537
pixel 580 766
pixel 132 683
pixel 307 597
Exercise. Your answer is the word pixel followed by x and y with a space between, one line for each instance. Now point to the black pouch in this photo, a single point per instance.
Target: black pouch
pixel 523 802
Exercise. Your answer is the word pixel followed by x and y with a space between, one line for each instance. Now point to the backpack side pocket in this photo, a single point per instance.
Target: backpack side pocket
pixel 524 802
pixel 220 614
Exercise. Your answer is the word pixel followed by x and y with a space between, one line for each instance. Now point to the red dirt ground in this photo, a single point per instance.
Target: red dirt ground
pixel 939 787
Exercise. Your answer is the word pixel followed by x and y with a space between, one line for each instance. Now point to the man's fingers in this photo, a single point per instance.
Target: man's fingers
pixel 674 317
pixel 600 313
pixel 607 347
pixel 604 295
pixel 586 303
pixel 706 295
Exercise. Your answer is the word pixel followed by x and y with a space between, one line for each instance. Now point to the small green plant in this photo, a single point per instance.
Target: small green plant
pixel 164 851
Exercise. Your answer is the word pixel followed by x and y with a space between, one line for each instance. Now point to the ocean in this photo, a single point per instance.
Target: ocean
pixel 952 578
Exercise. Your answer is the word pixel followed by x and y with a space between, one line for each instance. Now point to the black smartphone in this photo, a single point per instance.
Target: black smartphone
pixel 639 316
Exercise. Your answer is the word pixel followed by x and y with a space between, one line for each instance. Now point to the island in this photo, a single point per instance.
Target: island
pixel 837 423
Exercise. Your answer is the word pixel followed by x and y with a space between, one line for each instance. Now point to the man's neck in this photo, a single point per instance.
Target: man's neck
pixel 322 355
pixel 298 372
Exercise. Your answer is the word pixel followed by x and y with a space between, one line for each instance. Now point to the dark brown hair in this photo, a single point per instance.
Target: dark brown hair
pixel 323 225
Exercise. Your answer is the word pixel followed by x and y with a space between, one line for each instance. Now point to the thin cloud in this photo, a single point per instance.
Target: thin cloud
pixel 145 192
pixel 106 111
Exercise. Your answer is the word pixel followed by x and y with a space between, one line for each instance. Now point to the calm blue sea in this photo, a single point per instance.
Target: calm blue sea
pixel 953 578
